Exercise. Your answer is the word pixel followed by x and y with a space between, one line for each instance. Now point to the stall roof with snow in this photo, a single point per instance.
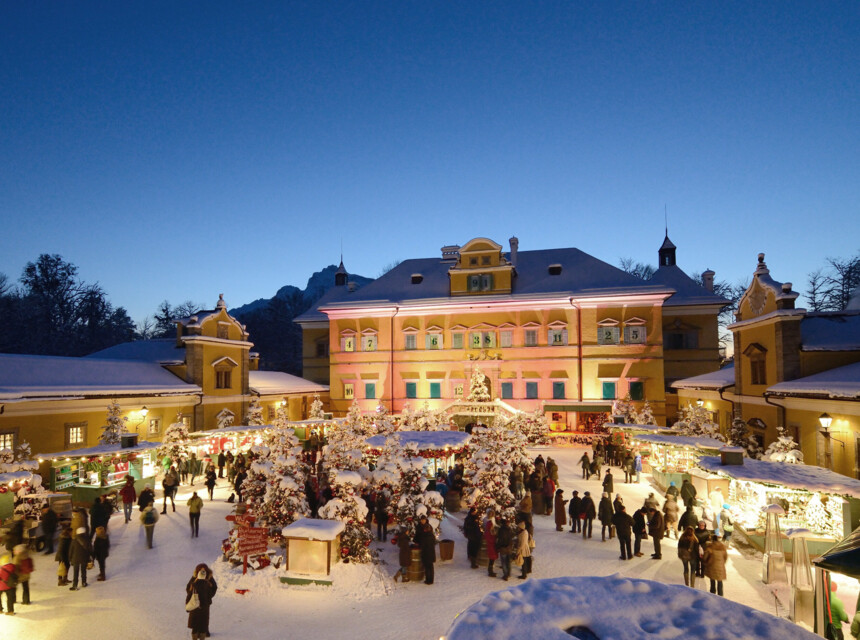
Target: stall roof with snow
pixel 688 442
pixel 103 450
pixel 425 440
pixel 644 427
pixel 313 529
pixel 223 431
pixel 793 476
pixel 615 607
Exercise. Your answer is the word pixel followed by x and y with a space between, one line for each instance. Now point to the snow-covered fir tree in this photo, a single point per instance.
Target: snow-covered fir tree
pixel 493 453
pixel 350 509
pixel 316 411
pixel 623 407
pixel 259 472
pixel 478 387
pixel 817 516
pixel 410 499
pixel 425 419
pixel 114 426
pixel 784 448
pixel 225 418
pixel 345 446
pixel 739 436
pixel 696 421
pixel 282 416
pixel 255 413
pixel 284 501
pixel 27 489
pixel 174 444
pixel 406 419
pixel 537 427
pixel 646 416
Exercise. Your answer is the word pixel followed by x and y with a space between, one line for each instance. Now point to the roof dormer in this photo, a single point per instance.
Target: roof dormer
pixel 480 269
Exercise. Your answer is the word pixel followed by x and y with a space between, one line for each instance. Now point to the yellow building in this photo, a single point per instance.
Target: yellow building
pixel 792 369
pixel 555 328
pixel 204 375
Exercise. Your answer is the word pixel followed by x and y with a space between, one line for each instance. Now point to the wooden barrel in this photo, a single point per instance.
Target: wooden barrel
pixel 446 550
pixel 416 569
pixel 453 502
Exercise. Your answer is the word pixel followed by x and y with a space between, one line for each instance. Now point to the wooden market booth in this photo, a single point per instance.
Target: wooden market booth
pixel 439 448
pixel 312 547
pixel 94 471
pixel 814 498
pixel 235 438
pixel 673 458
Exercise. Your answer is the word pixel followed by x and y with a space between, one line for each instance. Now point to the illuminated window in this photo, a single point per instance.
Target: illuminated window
pixel 433 341
pixel 368 343
pixel 557 337
pixel 348 391
pixel 411 389
pixel 608 335
pixel 347 343
pixel 507 390
pixel 155 426
pixel 457 340
pixel 482 340
pixel 506 339
pixel 7 440
pixel 76 433
pixel 435 389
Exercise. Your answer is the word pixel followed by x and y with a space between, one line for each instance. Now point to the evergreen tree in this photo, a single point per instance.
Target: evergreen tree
pixel 623 407
pixel 411 499
pixel 345 446
pixel 174 444
pixel 259 472
pixel 350 509
pixel 696 421
pixel 646 416
pixel 115 425
pixel 738 435
pixel 425 419
pixel 316 411
pixel 493 453
pixel 537 428
pixel 255 413
pixel 284 501
pixel 478 387
pixel 282 416
pixel 784 448
pixel 225 418
pixel 26 501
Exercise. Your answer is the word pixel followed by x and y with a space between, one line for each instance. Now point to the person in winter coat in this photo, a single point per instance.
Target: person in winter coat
pixel 195 466
pixel 640 529
pixel 574 509
pixel 552 470
pixel 629 468
pixel 241 474
pixel 505 546
pixel 211 479
pixel 708 517
pixel 98 515
pixel 203 617
pixel 672 490
pixel 170 484
pixel 15 533
pixel 652 502
pixel 714 558
pixel 381 507
pixel 62 557
pixel 148 518
pixel 524 551
pixel 8 584
pixel 524 510
pixel 182 468
pixel 656 528
pixel 688 552
pixel 80 553
pixel 198 618
pixel 597 464
pixel 101 551
pixel 231 468
pixel 404 555
pixel 517 484
pixel 688 492
pixel 128 495
pixel 195 506
pixel 548 493
pixel 426 541
pixel 608 482
pixel 617 503
pixel 623 523
pixel 560 513
pixel 49 528
pixel 637 466
pixel 590 512
pixel 727 523
pixel 704 537
pixel 670 515
pixel 604 514
pixel 222 460
pixel 146 497
pixel 585 463
pixel 688 519
pixel 490 541
pixel 23 568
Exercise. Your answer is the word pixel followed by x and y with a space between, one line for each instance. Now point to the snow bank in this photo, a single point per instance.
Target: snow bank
pixel 424 440
pixel 693 442
pixel 615 607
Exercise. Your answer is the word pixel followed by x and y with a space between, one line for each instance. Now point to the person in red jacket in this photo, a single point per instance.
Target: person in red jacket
pixel 129 497
pixel 490 530
pixel 8 583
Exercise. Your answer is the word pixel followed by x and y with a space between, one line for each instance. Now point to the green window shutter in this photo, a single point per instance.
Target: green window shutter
pixel 370 390
pixel 558 391
pixel 435 389
pixel 411 389
pixel 637 390
pixel 531 390
pixel 507 390
pixel 608 390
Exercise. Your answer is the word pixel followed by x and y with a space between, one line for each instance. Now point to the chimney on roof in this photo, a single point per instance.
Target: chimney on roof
pixel 515 245
pixel 708 280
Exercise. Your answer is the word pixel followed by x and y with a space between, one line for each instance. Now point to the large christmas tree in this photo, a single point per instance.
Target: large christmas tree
pixel 350 509
pixel 346 445
pixel 479 388
pixel 114 426
pixel 174 444
pixel 284 501
pixel 696 421
pixel 410 498
pixel 494 453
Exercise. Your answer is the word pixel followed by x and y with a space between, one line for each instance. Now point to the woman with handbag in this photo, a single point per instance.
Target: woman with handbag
pixel 198 598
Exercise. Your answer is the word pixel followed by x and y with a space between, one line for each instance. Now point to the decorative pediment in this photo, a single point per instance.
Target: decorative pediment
pixel 754 349
pixel 410 329
pixel 531 325
pixel 507 325
pixel 608 322
pixel 482 326
pixel 225 361
pixel 558 324
pixel 369 332
pixel 459 327
pixel 434 329
pixel 348 332
pixel 634 322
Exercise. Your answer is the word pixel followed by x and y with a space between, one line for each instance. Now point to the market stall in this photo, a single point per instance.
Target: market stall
pixel 673 458
pixel 95 471
pixel 312 547
pixel 814 498
pixel 207 444
pixel 439 448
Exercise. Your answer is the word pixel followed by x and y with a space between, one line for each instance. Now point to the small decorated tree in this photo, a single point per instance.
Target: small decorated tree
pixel 411 499
pixel 259 472
pixel 818 517
pixel 784 448
pixel 646 416
pixel 282 416
pixel 316 411
pixel 115 425
pixel 623 407
pixel 27 489
pixel 255 413
pixel 350 509
pixel 696 421
pixel 284 501
pixel 225 418
pixel 174 444
pixel 425 419
pixel 479 390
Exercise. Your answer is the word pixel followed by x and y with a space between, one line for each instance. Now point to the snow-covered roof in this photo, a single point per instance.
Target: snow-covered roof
pixel 615 607
pixel 313 529
pixel 719 379
pixel 103 450
pixel 159 350
pixel 841 382
pixel 643 427
pixel 839 331
pixel 53 377
pixel 691 442
pixel 280 383
pixel 793 476
pixel 14 476
pixel 425 440
pixel 581 275
pixel 233 428
pixel 687 290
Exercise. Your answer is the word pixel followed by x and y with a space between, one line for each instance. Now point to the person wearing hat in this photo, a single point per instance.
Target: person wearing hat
pixel 656 529
pixel 80 553
pixel 8 583
pixel 590 512
pixel 148 518
pixel 49 527
pixel 560 512
pixel 426 541
pixel 727 523
pixel 128 495
pixel 198 618
pixel 524 551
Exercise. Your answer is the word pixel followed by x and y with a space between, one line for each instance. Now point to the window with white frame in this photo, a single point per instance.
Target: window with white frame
pixel 411 342
pixel 368 343
pixel 482 339
pixel 634 334
pixel 457 340
pixel 7 440
pixel 531 338
pixel 556 337
pixel 155 426
pixel 348 391
pixel 608 335
pixel 433 340
pixel 76 433
pixel 347 343
pixel 506 338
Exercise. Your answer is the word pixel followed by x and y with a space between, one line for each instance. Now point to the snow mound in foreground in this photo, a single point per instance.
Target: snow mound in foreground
pixel 615 607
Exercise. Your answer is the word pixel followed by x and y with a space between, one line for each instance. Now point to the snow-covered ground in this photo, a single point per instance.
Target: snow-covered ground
pixel 145 591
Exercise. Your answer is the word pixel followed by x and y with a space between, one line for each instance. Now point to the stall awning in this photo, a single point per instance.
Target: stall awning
pixel 223 431
pixel 583 407
pixel 103 450
pixel 844 557
pixel 609 370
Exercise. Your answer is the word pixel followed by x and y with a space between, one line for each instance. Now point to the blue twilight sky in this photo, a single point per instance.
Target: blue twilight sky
pixel 177 150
